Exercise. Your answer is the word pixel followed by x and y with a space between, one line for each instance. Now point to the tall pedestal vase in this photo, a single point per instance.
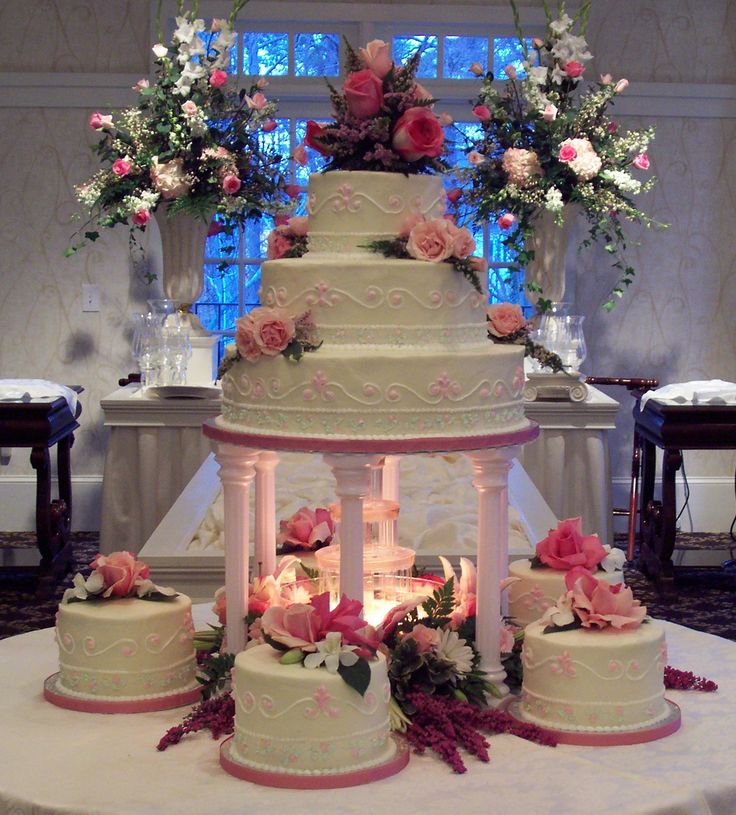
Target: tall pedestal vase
pixel 182 244
pixel 550 243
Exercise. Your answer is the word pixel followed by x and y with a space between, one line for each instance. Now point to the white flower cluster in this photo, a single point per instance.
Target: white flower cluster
pixel 586 163
pixel 623 181
pixel 553 200
pixel 142 200
pixel 191 50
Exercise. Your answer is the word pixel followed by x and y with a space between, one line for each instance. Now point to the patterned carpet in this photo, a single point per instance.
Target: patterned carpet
pixel 706 598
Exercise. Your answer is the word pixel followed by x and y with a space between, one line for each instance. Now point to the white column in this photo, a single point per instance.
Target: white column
pixel 353 477
pixel 265 520
pixel 391 489
pixel 236 474
pixel 491 471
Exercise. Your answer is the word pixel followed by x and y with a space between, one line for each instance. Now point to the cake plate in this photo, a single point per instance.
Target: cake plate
pixel 640 735
pixel 57 696
pixel 353 778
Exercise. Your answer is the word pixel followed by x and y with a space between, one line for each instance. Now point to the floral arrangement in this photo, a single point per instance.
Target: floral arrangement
pixel 266 331
pixel 383 118
pixel 566 547
pixel 592 603
pixel 507 324
pixel 546 144
pixel 436 240
pixel 190 143
pixel 114 576
pixel 288 239
pixel 305 531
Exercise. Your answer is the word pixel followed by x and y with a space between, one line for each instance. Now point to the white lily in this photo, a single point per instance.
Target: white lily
pixel 560 614
pixel 614 560
pixel 82 589
pixel 332 653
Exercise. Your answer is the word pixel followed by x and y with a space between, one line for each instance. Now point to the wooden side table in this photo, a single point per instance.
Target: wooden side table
pixel 673 428
pixel 42 424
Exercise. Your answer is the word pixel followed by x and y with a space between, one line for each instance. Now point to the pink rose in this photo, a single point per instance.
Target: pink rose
pixel 300 155
pixel 641 162
pixel 100 122
pixel 121 167
pixel 189 108
pixel 377 57
pixel 363 93
pixel 482 113
pixel 621 85
pixel 218 78
pixel 537 43
pixel 313 137
pixel 273 329
pixel 390 622
pixel 120 572
pixel 279 243
pixel 298 226
pixel 170 178
pixel 510 71
pixel 142 217
pixel 256 102
pixel 409 222
pixel 606 79
pixel 566 547
pixel 431 241
pixel 505 319
pixel 454 195
pixel 293 190
pixel 418 133
pixel 219 609
pixel 427 639
pixel 345 618
pixel 463 243
pixel 506 221
pixel 245 340
pixel 568 153
pixel 476 68
pixel 231 184
pixel 295 627
pixel 269 125
pixel 574 69
pixel 141 84
pixel 599 604
pixel 475 158
pixel 549 114
pixel 306 529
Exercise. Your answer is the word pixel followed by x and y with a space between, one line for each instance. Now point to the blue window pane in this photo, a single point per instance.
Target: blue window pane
pixel 504 286
pixel 223 245
pixel 507 51
pixel 278 141
pixel 405 47
pixel 316 55
pixel 251 285
pixel 497 252
pixel 315 162
pixel 459 137
pixel 228 315
pixel 255 234
pixel 265 53
pixel 460 53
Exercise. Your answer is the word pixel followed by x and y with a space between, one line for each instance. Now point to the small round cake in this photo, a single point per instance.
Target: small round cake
pixel 297 721
pixel 594 680
pixel 538 589
pixel 126 650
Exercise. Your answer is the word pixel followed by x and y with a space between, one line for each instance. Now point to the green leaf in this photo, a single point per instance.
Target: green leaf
pixel 292 657
pixel 358 676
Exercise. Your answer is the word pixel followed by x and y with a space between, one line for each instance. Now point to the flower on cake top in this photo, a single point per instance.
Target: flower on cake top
pixel 592 603
pixel 191 143
pixel 306 530
pixel 383 118
pixel 546 141
pixel 288 239
pixel 117 575
pixel 566 547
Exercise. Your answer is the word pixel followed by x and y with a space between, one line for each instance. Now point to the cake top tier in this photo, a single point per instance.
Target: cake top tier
pixel 349 209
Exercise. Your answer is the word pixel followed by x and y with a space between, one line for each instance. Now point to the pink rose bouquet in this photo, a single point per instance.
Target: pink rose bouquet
pixel 383 118
pixel 566 547
pixel 506 320
pixel 119 574
pixel 306 530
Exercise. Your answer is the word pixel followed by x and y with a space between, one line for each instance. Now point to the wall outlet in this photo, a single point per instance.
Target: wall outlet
pixel 90 297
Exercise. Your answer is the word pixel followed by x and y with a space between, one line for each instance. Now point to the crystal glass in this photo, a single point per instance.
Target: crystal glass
pixel 177 347
pixel 165 311
pixel 146 347
pixel 563 335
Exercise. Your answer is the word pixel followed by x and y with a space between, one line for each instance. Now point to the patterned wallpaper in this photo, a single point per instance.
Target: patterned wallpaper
pixel 676 323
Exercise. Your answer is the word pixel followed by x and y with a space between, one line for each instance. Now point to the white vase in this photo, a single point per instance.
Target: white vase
pixel 550 243
pixel 182 251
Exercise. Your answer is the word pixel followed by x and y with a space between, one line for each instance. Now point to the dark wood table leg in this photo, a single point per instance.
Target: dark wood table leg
pixel 671 463
pixel 646 496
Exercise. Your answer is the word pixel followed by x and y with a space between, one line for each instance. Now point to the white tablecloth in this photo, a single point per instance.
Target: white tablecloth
pixel 57 761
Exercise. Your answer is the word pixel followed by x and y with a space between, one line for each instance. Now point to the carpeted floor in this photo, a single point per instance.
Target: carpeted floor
pixel 706 598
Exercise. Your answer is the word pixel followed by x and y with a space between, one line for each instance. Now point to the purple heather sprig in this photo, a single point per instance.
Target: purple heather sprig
pixel 216 715
pixel 675 679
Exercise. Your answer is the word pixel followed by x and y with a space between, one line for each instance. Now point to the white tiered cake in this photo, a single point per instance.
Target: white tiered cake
pixel 405 351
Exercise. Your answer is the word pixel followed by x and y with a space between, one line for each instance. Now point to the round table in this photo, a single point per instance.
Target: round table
pixel 57 761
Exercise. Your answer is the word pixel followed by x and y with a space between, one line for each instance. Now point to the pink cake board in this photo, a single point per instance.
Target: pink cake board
pixel 54 694
pixel 305 444
pixel 657 731
pixel 316 782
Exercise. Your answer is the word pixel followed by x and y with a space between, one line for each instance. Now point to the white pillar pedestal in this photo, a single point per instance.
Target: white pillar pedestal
pixel 237 471
pixel 491 470
pixel 265 520
pixel 352 473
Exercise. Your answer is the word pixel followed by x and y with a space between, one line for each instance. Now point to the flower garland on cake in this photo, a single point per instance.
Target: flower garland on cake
pixel 115 576
pixel 383 118
pixel 190 143
pixel 507 324
pixel 545 143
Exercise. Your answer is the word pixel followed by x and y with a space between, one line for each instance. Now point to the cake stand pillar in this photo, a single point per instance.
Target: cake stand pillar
pixel 490 479
pixel 265 520
pixel 237 472
pixel 352 473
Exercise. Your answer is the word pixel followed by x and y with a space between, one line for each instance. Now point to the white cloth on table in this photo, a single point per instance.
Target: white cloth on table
pixel 698 392
pixel 27 390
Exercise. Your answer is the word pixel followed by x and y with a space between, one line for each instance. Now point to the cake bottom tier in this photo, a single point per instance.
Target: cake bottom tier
pixel 591 680
pixel 303 721
pixel 341 393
